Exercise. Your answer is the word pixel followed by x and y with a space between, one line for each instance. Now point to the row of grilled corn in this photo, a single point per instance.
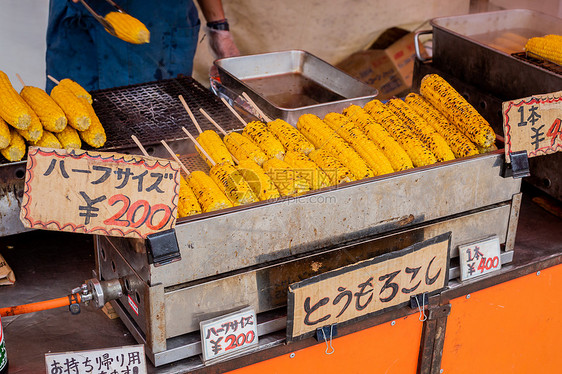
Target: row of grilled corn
pixel 62 119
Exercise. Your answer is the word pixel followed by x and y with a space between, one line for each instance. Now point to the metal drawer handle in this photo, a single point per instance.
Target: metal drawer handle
pixel 417 44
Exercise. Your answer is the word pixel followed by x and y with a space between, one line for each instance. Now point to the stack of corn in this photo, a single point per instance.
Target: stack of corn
pixel 548 47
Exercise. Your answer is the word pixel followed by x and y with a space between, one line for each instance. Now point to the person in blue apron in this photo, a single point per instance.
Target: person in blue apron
pixel 78 47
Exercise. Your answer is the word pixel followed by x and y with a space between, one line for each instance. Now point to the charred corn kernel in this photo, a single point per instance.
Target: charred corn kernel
pixel 491 148
pixel 48 140
pixel 50 114
pixel 257 131
pixel 457 110
pixel 287 180
pixel 12 107
pixel 75 110
pixel 69 138
pixel 290 137
pixel 94 136
pixel 207 192
pixel 76 89
pixel 307 169
pixel 128 28
pixel 459 144
pixel 4 134
pixel 322 136
pixel 35 130
pixel 368 150
pixel 214 146
pixel 548 47
pixel 232 183
pixel 397 156
pixel 258 180
pixel 416 150
pixel 334 169
pixel 243 148
pixel 16 150
pixel 427 134
pixel 187 202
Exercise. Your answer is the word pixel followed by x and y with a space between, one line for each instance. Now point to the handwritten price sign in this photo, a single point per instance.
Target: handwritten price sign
pixel 533 124
pixel 479 258
pixel 99 192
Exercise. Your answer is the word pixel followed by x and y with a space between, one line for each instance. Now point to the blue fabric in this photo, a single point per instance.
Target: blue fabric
pixel 78 47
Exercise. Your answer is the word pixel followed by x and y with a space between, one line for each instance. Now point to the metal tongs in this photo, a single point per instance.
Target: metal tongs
pixel 102 20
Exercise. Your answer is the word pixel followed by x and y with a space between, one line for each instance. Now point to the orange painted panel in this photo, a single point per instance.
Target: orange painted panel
pixel 379 349
pixel 514 327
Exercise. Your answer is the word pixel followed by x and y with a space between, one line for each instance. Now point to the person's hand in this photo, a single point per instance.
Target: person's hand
pixel 221 44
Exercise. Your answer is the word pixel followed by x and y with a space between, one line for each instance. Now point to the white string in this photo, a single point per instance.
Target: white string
pixel 326 341
pixel 421 309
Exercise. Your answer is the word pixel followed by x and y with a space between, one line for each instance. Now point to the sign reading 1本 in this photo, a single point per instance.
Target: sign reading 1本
pixel 479 258
pixel 99 192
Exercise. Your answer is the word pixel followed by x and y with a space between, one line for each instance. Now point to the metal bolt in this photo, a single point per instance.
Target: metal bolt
pixel 441 371
pixel 539 272
pixel 468 296
pixel 393 323
pixel 292 355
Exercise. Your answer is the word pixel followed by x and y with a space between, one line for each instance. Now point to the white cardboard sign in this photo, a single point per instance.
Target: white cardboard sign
pixel 480 258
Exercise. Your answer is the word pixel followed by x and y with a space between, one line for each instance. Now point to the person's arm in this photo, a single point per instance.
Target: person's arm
pixel 212 10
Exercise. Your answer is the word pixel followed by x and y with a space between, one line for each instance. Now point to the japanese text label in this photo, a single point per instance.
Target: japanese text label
pixel 479 258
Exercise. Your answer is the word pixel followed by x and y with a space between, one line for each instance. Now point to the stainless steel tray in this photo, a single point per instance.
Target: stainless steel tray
pixel 290 83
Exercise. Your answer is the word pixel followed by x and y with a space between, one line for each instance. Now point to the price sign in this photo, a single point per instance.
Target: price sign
pixel 533 124
pixel 129 359
pixel 229 335
pixel 367 287
pixel 99 192
pixel 479 258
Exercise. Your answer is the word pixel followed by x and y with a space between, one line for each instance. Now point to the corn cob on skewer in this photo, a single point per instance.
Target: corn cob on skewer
pixel 322 136
pixel 333 168
pixel 75 110
pixel 307 169
pixel 368 150
pixel 243 148
pixel 4 134
pixel 548 47
pixel 16 150
pixel 290 137
pixel 128 28
pixel 416 150
pixel 214 146
pixel 76 89
pixel 258 180
pixel 48 140
pixel 257 131
pixel 50 114
pixel 207 192
pixel 187 202
pixel 232 183
pixel 422 130
pixel 285 178
pixel 69 138
pixel 491 148
pixel 460 144
pixel 457 110
pixel 35 130
pixel 397 156
pixel 95 134
pixel 12 107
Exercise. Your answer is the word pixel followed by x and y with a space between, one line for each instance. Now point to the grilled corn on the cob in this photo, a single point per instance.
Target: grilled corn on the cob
pixel 4 134
pixel 334 169
pixel 35 130
pixel 128 28
pixel 75 110
pixel 12 107
pixel 95 134
pixel 69 138
pixel 243 148
pixel 207 192
pixel 187 202
pixel 257 131
pixel 287 181
pixel 16 150
pixel 76 89
pixel 232 183
pixel 214 146
pixel 548 47
pixel 307 169
pixel 258 180
pixel 48 140
pixel 291 138
pixel 50 114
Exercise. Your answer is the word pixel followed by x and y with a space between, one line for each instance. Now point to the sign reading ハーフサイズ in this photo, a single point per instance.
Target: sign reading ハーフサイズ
pixel 533 124
pixel 99 192
pixel 362 289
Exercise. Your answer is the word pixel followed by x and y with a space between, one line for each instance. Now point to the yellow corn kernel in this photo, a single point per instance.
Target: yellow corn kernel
pixel 368 150
pixel 548 47
pixel 207 192
pixel 416 150
pixel 258 180
pixel 232 183
pixel 12 107
pixel 257 132
pixel 76 89
pixel 491 148
pixel 322 136
pixel 94 136
pixel 243 148
pixel 290 137
pixel 457 110
pixel 397 156
pixel 4 134
pixel 214 146
pixel 69 138
pixel 75 110
pixel 35 130
pixel 187 202
pixel 16 150
pixel 50 114
pixel 460 144
pixel 128 28
pixel 48 140
pixel 334 169
pixel 287 181
pixel 307 169
pixel 422 130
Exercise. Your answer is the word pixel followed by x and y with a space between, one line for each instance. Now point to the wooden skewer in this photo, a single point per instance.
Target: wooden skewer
pixel 253 104
pixel 53 79
pixel 175 157
pixel 21 80
pixel 190 114
pixel 138 143
pixel 199 146
pixel 219 128
pixel 234 111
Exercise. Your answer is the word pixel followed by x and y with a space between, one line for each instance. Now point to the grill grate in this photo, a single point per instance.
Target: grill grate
pixel 551 66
